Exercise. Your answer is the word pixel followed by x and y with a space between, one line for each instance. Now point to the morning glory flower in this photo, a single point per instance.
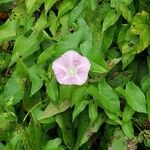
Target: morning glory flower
pixel 71 68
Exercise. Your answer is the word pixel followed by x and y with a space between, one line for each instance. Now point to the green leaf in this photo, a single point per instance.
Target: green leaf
pixel 75 13
pixel 134 97
pixel 112 118
pixel 115 3
pixel 35 133
pixel 52 89
pixel 34 77
pixel 120 79
pixel 145 83
pixel 65 6
pixel 93 112
pixel 48 4
pixel 5 1
pixel 70 41
pixel 8 30
pixel 53 144
pixel 110 19
pixel 126 60
pixel 79 95
pixel 108 38
pixel 46 54
pixel 4 61
pixel 54 23
pixel 98 68
pixel 118 141
pixel 128 129
pixel 126 13
pixel 122 35
pixel 112 97
pixel 53 109
pixel 93 4
pixel 140 26
pixel 41 23
pixel 127 113
pixel 79 107
pixel 85 130
pixel 15 142
pixel 24 47
pixel 148 103
pixel 64 122
pixel 65 92
pixel 8 122
pixel 14 90
pixel 32 5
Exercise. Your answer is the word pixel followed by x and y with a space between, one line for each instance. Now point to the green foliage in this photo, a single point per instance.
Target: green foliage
pixel 110 111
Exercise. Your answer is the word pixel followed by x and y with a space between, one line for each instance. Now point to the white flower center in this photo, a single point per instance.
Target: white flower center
pixel 71 71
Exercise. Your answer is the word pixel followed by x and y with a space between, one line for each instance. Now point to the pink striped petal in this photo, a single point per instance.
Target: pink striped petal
pixel 71 68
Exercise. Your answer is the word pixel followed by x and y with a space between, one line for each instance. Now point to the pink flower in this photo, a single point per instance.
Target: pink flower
pixel 71 68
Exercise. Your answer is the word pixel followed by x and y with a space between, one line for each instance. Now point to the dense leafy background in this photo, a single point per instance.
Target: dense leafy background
pixel 111 111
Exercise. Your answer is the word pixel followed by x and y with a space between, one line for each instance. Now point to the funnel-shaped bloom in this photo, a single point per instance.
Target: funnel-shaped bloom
pixel 71 68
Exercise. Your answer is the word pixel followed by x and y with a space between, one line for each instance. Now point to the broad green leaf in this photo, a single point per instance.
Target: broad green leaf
pixel 118 141
pixel 33 131
pixel 46 54
pixel 145 83
pixel 65 6
pixel 70 41
pixel 134 97
pixel 93 4
pixel 24 47
pixel 120 79
pixel 105 101
pixel 14 90
pixel 126 13
pixel 98 68
pixel 5 1
pixel 8 30
pixel 93 112
pixel 85 130
pixel 4 60
pixel 65 92
pixel 41 23
pixel 122 35
pixel 86 46
pixel 79 95
pixel 32 5
pixel 148 103
pixel 108 38
pixel 115 3
pixel 112 97
pixel 8 122
pixel 75 13
pixel 35 79
pixel 136 94
pixel 148 63
pixel 64 122
pixel 79 107
pixel 128 129
pixel 140 26
pixel 53 145
pixel 54 23
pixel 15 143
pixel 53 109
pixel 127 113
pixel 127 59
pixel 110 19
pixel 112 118
pixel 48 4
pixel 52 89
